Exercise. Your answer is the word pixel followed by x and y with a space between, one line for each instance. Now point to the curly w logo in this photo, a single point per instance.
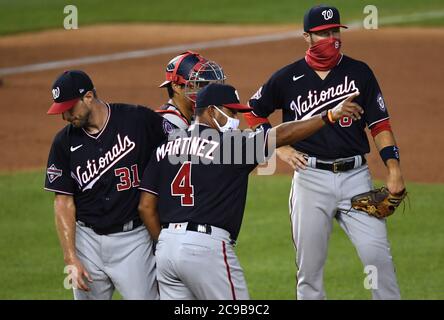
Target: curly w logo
pixel 328 14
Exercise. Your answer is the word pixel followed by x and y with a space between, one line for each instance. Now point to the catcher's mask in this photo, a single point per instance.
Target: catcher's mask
pixel 194 72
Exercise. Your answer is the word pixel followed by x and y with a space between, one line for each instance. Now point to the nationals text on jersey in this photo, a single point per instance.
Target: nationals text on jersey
pixel 94 172
pixel 312 103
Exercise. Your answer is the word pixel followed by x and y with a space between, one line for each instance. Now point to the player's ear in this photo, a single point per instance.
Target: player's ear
pixel 88 97
pixel 210 111
pixel 307 37
pixel 176 87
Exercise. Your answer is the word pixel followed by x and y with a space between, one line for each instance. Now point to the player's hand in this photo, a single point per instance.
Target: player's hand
pixel 347 108
pixel 291 156
pixel 79 275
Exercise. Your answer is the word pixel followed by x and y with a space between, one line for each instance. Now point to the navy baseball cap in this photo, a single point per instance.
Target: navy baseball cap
pixel 322 17
pixel 68 88
pixel 216 94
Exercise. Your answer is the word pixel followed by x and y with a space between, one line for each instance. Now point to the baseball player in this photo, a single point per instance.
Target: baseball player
pixel 199 200
pixel 185 74
pixel 334 157
pixel 94 169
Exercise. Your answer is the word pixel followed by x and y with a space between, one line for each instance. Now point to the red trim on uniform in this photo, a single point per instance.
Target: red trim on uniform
pixel 327 26
pixel 253 120
pixel 380 126
pixel 237 106
pixel 228 270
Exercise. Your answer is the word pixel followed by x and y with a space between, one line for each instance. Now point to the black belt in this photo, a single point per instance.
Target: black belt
pixel 191 226
pixel 131 225
pixel 339 165
pixel 198 227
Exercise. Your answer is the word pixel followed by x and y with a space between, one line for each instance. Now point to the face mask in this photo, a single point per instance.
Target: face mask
pixel 324 54
pixel 232 123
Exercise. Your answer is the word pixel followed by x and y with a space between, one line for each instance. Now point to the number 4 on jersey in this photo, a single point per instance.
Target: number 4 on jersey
pixel 181 185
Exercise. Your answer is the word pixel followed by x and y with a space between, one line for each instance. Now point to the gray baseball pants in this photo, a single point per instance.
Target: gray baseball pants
pixel 122 261
pixel 198 266
pixel 316 198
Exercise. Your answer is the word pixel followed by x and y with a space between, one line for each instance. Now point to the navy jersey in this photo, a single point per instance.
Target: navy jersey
pixel 171 113
pixel 209 183
pixel 301 93
pixel 103 171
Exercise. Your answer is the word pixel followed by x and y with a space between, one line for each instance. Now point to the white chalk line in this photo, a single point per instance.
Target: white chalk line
pixel 239 41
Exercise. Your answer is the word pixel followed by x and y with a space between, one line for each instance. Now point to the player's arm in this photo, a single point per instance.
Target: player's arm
pixel 65 220
pixel 148 213
pixel 378 121
pixel 293 131
pixel 385 143
pixel 286 153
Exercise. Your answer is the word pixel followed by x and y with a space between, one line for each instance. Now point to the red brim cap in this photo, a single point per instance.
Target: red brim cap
pixel 60 107
pixel 238 107
pixel 327 26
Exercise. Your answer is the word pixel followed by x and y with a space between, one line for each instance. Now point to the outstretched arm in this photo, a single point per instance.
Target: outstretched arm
pixel 293 131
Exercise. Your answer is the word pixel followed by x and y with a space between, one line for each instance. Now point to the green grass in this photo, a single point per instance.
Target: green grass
pixel 31 15
pixel 31 264
pixel 267 256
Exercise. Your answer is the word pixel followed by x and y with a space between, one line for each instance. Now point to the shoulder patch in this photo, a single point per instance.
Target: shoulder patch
pixel 167 126
pixel 53 173
pixel 381 102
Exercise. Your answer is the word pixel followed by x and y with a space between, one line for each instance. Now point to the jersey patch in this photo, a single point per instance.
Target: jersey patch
pixel 381 103
pixel 167 127
pixel 53 173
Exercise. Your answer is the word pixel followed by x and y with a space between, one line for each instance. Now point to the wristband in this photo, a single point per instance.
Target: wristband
pixel 330 116
pixel 390 152
pixel 326 117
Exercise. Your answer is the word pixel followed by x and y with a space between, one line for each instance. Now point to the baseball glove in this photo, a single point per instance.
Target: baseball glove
pixel 379 203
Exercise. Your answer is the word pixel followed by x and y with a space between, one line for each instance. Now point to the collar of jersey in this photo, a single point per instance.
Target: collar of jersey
pixel 97 135
pixel 175 108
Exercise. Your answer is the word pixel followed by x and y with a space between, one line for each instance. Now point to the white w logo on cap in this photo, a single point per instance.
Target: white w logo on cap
pixel 328 14
pixel 56 93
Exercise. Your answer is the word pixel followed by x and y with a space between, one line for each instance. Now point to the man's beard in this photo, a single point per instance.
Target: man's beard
pixel 83 122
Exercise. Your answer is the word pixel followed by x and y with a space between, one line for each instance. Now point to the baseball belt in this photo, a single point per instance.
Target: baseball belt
pixel 336 166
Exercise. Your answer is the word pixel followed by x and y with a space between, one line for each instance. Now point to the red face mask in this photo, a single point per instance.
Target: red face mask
pixel 324 54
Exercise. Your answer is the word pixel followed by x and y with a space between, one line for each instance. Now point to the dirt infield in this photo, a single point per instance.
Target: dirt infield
pixel 407 63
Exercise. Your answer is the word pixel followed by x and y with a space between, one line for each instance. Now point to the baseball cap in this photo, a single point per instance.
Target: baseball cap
pixel 180 67
pixel 68 88
pixel 220 95
pixel 322 17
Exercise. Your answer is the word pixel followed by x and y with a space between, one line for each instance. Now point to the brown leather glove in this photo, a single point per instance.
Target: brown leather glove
pixel 379 203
